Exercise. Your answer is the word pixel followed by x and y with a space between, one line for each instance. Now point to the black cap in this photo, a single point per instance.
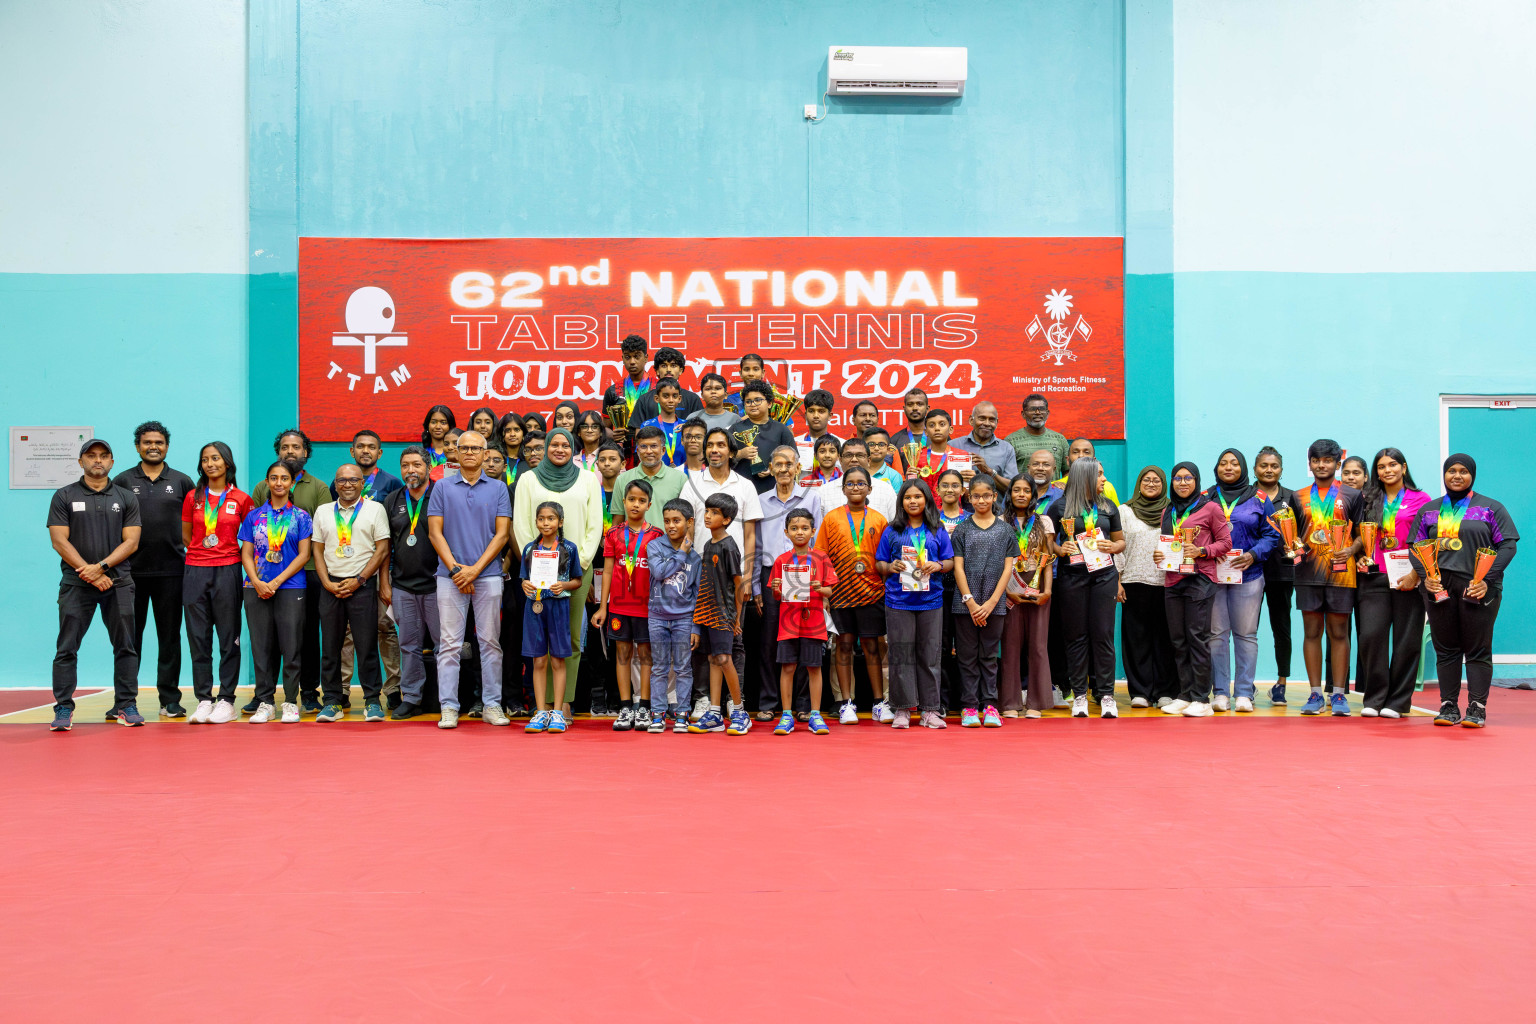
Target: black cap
pixel 93 442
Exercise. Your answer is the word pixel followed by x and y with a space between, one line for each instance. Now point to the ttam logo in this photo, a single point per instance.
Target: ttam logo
pixel 370 326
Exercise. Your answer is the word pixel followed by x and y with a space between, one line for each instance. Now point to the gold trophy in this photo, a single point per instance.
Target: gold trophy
pixel 1189 532
pixel 911 451
pixel 618 415
pixel 1368 540
pixel 1284 522
pixel 1339 540
pixel 1429 557
pixel 746 438
pixel 784 406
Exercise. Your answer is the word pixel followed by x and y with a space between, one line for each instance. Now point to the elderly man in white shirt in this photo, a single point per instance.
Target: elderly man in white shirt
pixel 787 494
pixel 351 545
pixel 882 497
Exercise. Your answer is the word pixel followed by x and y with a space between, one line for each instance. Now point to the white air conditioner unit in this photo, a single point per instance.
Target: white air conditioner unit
pixel 896 70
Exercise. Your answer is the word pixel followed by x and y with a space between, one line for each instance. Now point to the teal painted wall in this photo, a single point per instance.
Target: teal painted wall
pixel 110 351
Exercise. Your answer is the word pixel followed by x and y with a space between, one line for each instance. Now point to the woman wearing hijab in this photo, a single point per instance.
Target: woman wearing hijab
pixel 565 415
pixel 558 478
pixel 1240 585
pixel 1087 598
pixel 1467 528
pixel 1150 675
pixel 1201 530
pixel 1279 570
pixel 1389 619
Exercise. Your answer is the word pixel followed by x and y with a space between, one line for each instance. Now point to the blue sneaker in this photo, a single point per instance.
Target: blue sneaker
pixel 1314 704
pixel 969 719
pixel 990 718
pixel 817 724
pixel 330 713
pixel 1340 705
pixel 62 720
pixel 741 723
pixel 538 723
pixel 786 725
pixel 1277 693
pixel 374 712
pixel 312 706
pixel 710 721
pixel 128 714
pixel 556 721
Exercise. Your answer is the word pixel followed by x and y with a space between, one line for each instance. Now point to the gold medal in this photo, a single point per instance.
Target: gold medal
pixel 1389 543
pixel 1454 544
pixel 274 556
pixel 1319 537
pixel 538 607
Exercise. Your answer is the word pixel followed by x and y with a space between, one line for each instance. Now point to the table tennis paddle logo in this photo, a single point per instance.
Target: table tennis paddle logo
pixel 370 316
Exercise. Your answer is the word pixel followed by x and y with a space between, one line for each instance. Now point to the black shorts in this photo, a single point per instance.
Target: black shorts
pixel 804 650
pixel 1335 600
pixel 861 621
pixel 716 641
pixel 629 629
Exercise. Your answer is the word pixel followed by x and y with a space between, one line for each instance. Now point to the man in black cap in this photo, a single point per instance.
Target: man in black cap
pixel 94 526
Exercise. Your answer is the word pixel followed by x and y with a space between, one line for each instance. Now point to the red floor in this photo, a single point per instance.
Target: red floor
pixel 1238 869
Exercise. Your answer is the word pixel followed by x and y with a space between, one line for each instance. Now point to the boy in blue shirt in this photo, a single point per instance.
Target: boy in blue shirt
pixel 675 571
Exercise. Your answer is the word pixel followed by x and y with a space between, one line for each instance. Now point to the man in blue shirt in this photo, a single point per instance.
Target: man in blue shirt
pixel 469 519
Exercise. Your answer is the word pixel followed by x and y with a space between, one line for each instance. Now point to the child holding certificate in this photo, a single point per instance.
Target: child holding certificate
pixel 551 570
pixel 623 608
pixel 801 577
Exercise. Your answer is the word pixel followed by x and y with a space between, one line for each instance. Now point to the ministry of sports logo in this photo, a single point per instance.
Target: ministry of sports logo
pixel 1059 337
pixel 370 326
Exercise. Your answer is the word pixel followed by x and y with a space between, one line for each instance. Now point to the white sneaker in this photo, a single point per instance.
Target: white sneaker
pixel 1079 706
pixel 1368 712
pixel 902 719
pixel 1198 709
pixel 1173 707
pixel 848 714
pixel 290 714
pixel 882 713
pixel 199 715
pixel 1163 702
pixel 449 719
pixel 1107 708
pixel 1058 700
pixel 1010 714
pixel 700 709
pixel 1243 704
pixel 1389 713
pixel 1220 703
pixel 224 712
pixel 494 714
pixel 1138 702
pixel 263 715
pixel 934 720
pixel 1031 713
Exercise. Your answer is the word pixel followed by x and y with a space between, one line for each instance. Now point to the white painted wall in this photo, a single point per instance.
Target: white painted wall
pixel 1354 135
pixel 122 126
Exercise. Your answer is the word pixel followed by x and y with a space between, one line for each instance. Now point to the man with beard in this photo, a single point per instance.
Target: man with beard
pixel 1033 435
pixel 915 406
pixel 308 493
pixel 381 486
pixel 990 454
pixel 411 589
pixel 159 561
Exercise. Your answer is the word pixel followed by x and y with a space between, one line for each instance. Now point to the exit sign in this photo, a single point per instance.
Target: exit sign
pixel 1501 403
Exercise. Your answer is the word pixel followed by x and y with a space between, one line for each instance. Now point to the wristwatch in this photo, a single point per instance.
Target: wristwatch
pixel 105 567
pixel 455 570
pixel 965 599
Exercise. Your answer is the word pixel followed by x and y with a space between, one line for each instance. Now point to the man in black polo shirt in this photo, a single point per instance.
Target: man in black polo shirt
pixel 94 526
pixel 158 563
pixel 411 589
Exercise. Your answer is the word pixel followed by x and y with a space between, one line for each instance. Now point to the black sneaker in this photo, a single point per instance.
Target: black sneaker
pixel 128 714
pixel 173 711
pixel 643 718
pixel 312 705
pixel 252 707
pixel 403 710
pixel 477 710
pixel 61 720
pixel 517 710
pixel 599 709
pixel 1477 716
pixel 1449 714
pixel 394 700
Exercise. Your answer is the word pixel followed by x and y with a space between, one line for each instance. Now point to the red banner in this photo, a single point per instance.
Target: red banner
pixel 389 327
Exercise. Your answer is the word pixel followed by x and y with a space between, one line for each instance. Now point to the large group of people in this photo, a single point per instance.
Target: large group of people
pixel 693 561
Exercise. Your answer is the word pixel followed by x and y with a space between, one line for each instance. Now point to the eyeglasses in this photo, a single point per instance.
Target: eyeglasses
pixel 471 448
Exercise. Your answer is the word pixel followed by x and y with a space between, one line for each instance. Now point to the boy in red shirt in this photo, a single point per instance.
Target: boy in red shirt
pixel 622 610
pixel 802 622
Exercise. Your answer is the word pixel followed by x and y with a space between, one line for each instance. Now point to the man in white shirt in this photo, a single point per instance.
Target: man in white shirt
pixel 351 545
pixel 881 497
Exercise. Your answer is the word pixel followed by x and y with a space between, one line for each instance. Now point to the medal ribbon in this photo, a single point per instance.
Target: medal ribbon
pixel 1389 511
pixel 607 511
pixel 344 528
pixel 1023 533
pixel 435 457
pixel 368 484
pixel 1319 510
pixel 413 507
pixel 632 555
pixel 1224 506
pixel 509 475
pixel 670 439
pixel 1091 519
pixel 919 538
pixel 1178 520
pixel 633 391
pixel 1448 525
pixel 858 538
pixel 211 511
pixel 277 526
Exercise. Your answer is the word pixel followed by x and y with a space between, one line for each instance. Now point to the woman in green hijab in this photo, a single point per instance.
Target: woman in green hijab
pixel 559 478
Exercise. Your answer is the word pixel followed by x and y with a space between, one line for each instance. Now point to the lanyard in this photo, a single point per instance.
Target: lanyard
pixel 413 507
pixel 1178 520
pixel 632 554
pixel 1389 510
pixel 1449 523
pixel 435 457
pixel 368 484
pixel 633 391
pixel 670 439
pixel 1023 532
pixel 211 511
pixel 919 539
pixel 278 523
pixel 1224 506
pixel 1318 502
pixel 509 475
pixel 607 511
pixel 344 528
pixel 858 538
pixel 1091 519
